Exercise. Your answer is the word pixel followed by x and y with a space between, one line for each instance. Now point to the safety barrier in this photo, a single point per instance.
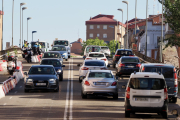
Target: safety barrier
pixel 36 58
pixel 3 67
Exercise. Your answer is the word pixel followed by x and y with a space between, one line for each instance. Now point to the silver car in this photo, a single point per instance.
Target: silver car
pixel 53 54
pixel 99 82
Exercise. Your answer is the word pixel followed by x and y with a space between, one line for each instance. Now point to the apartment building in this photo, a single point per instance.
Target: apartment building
pixel 105 27
pixel 1 14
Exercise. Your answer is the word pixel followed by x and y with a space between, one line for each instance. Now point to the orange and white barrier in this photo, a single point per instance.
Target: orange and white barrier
pixel 3 67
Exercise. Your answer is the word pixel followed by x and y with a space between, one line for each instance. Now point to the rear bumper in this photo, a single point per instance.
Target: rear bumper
pixel 128 71
pixel 130 108
pixel 100 91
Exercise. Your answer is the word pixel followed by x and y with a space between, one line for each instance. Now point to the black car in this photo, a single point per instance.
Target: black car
pixel 119 53
pixel 57 65
pixel 41 77
pixel 127 65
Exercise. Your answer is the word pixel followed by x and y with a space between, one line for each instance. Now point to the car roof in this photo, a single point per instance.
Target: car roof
pixel 108 71
pixel 52 52
pixel 93 60
pixel 42 66
pixel 156 64
pixel 129 57
pixel 124 49
pixel 143 74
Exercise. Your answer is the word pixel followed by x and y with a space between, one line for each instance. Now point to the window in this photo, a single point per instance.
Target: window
pixel 91 35
pixel 104 26
pixel 96 55
pixel 98 26
pixel 130 60
pixel 104 35
pixel 97 35
pixel 100 75
pixel 93 49
pixel 91 27
pixel 59 48
pixel 94 63
pixel 55 63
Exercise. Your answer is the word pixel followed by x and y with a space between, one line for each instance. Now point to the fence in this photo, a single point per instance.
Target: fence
pixel 3 52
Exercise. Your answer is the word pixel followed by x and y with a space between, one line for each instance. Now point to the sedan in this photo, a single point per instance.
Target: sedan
pixel 127 65
pixel 99 82
pixel 90 65
pixel 41 77
pixel 53 54
pixel 62 50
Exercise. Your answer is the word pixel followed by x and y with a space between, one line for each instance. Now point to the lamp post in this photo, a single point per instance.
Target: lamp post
pixel 21 4
pixel 2 27
pixel 161 34
pixel 22 22
pixel 121 26
pixel 12 20
pixel 146 26
pixel 27 26
pixel 127 21
pixel 32 34
pixel 135 17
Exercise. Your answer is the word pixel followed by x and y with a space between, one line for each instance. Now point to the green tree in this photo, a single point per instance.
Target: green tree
pixel 172 17
pixel 112 46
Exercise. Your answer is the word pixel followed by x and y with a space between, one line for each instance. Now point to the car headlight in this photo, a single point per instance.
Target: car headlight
pixel 29 80
pixel 64 53
pixel 52 80
pixel 59 70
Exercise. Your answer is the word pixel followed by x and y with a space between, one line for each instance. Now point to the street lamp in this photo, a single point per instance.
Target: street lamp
pixel 21 4
pixel 121 26
pixel 146 25
pixel 135 18
pixel 27 26
pixel 22 22
pixel 32 34
pixel 161 34
pixel 12 20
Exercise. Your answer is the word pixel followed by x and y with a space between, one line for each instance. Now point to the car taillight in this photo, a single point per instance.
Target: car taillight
pixel 165 93
pixel 176 79
pixel 121 65
pixel 88 58
pixel 104 68
pixel 103 59
pixel 117 55
pixel 138 65
pixel 143 69
pixel 86 83
pixel 84 68
pixel 128 93
pixel 114 84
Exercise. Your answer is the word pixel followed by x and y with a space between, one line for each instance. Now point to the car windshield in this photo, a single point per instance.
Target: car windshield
pixel 124 52
pixel 100 75
pixel 61 42
pixel 104 48
pixel 41 70
pixel 96 55
pixel 55 63
pixel 51 55
pixel 166 71
pixel 42 44
pixel 92 49
pixel 94 63
pixel 147 83
pixel 59 48
pixel 130 60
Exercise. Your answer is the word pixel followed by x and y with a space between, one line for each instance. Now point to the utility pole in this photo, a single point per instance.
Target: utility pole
pixel 161 34
pixel 146 25
pixel 2 26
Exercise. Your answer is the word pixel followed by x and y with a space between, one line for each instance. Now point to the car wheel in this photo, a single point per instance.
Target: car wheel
pixel 80 80
pixel 174 99
pixel 69 56
pixel 60 77
pixel 25 90
pixel 165 115
pixel 66 59
pixel 114 65
pixel 83 96
pixel 127 114
pixel 115 96
pixel 57 90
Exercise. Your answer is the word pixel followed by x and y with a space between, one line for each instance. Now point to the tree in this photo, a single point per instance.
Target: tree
pixel 112 45
pixel 172 15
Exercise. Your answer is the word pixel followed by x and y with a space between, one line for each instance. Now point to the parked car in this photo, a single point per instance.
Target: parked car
pixel 90 65
pixel 97 56
pixel 91 48
pixel 146 92
pixel 170 76
pixel 53 54
pixel 62 50
pixel 119 53
pixel 105 50
pixel 41 77
pixel 57 65
pixel 127 65
pixel 99 82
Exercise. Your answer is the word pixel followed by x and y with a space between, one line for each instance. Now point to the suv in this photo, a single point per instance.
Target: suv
pixel 146 92
pixel 170 76
pixel 105 50
pixel 119 53
pixel 91 48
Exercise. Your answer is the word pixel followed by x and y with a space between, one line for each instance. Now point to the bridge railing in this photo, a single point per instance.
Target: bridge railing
pixel 4 52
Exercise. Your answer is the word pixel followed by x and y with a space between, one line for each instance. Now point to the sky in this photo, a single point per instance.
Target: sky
pixel 65 19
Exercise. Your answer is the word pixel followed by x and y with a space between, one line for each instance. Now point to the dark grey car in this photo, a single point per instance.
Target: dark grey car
pixel 41 77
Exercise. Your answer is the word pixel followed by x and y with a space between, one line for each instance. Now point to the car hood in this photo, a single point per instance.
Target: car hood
pixel 41 77
pixel 57 68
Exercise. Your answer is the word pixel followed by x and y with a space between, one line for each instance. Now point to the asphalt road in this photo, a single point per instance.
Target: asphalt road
pixel 67 104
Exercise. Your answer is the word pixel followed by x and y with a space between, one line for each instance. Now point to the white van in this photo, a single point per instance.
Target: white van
pixel 44 45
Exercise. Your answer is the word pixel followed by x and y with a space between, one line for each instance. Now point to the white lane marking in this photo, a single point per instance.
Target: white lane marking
pixel 71 97
pixel 67 96
pixel 10 98
pixel 4 104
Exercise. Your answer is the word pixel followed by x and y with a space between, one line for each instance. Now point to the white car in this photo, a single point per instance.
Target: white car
pixel 97 56
pixel 146 92
pixel 90 65
pixel 105 50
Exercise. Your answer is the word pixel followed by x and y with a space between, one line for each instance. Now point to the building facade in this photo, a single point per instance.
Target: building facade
pixel 1 14
pixel 105 27
pixel 77 46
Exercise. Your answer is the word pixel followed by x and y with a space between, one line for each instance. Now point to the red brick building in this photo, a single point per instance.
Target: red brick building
pixel 77 46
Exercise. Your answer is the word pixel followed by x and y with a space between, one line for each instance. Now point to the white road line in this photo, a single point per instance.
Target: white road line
pixel 4 104
pixel 67 96
pixel 71 97
pixel 10 98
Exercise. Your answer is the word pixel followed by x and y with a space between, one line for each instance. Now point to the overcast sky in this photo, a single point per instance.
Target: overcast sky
pixel 64 18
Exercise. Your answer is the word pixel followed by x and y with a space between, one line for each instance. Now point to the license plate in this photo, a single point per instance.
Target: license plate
pixel 10 68
pixel 100 83
pixel 141 99
pixel 40 84
pixel 130 66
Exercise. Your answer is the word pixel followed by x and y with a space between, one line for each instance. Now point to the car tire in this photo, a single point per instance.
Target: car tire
pixel 25 90
pixel 80 80
pixel 115 96
pixel 66 59
pixel 164 115
pixel 83 95
pixel 127 114
pixel 57 90
pixel 60 77
pixel 174 99
pixel 114 65
pixel 69 56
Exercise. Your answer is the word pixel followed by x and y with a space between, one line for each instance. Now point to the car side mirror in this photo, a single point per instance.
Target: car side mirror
pixel 123 87
pixel 63 66
pixel 175 112
pixel 25 73
pixel 108 65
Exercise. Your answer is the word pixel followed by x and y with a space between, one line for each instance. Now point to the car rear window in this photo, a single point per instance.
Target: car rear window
pixel 92 49
pixel 94 63
pixel 130 60
pixel 124 52
pixel 104 48
pixel 59 48
pixel 166 71
pixel 55 63
pixel 147 83
pixel 51 55
pixel 100 75
pixel 96 55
